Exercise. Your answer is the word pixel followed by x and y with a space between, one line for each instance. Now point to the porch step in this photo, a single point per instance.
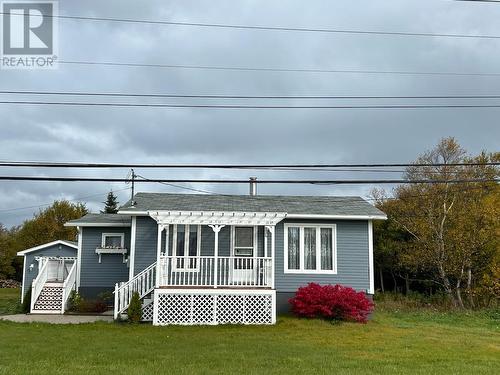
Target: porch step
pixel 50 299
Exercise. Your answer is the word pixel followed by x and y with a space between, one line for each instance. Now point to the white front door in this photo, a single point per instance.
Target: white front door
pixel 244 251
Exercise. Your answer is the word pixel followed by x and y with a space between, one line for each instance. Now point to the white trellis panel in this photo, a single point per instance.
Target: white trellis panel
pixel 147 312
pixel 191 307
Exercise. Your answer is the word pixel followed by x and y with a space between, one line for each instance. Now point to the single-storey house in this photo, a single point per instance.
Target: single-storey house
pixel 209 259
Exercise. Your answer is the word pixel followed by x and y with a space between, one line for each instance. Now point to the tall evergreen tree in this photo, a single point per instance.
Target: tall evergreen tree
pixel 111 204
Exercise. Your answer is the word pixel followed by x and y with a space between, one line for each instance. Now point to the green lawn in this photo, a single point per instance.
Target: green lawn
pixel 420 342
pixel 9 301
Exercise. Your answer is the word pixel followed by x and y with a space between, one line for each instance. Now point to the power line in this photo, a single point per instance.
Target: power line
pixel 47 164
pixel 223 96
pixel 180 186
pixel 212 181
pixel 230 106
pixel 284 70
pixel 264 27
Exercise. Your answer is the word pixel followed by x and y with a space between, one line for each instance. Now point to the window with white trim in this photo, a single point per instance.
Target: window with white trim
pixel 310 248
pixel 113 241
pixel 243 241
pixel 186 246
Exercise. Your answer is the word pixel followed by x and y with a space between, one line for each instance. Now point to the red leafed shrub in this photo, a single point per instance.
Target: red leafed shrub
pixel 331 302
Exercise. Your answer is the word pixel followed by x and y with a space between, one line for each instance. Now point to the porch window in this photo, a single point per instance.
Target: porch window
pixel 113 241
pixel 187 244
pixel 310 248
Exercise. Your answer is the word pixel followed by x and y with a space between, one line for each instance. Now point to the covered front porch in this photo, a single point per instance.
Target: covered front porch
pixel 216 249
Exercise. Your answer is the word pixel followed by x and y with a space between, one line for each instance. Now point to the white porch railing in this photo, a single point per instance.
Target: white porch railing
pixel 68 285
pixel 38 283
pixel 200 271
pixel 142 283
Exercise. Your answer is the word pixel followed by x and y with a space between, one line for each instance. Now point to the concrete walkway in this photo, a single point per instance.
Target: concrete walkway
pixel 56 319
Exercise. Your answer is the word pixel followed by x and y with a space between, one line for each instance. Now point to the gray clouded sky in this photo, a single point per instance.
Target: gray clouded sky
pixel 248 136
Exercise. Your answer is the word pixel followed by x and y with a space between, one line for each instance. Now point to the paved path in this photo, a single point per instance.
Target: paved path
pixel 56 319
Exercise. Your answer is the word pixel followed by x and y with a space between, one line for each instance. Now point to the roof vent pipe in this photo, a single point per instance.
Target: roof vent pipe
pixel 253 186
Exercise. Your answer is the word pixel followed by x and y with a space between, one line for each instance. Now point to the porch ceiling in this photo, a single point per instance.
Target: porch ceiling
pixel 217 217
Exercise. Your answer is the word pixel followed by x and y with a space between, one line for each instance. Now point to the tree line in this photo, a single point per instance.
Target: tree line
pixel 47 225
pixel 442 237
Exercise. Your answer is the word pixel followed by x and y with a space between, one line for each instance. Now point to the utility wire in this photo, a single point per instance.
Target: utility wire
pixel 263 27
pixel 47 164
pixel 222 96
pixel 230 106
pixel 212 181
pixel 179 186
pixel 284 70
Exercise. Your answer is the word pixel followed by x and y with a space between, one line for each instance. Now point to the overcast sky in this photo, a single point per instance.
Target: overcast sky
pixel 145 135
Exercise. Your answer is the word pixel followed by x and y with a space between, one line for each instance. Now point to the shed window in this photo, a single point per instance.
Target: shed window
pixel 113 241
pixel 310 248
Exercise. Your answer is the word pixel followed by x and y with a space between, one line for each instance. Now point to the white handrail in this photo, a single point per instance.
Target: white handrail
pixel 38 283
pixel 68 285
pixel 142 283
pixel 200 271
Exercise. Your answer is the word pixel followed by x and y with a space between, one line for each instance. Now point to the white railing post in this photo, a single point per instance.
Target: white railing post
pixel 216 228
pixel 116 302
pixel 158 252
pixel 272 230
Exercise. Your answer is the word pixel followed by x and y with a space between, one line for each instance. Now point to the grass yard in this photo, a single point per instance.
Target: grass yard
pixel 410 342
pixel 9 301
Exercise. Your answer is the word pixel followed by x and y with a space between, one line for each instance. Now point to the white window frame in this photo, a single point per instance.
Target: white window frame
pixel 121 235
pixel 318 228
pixel 186 248
pixel 233 240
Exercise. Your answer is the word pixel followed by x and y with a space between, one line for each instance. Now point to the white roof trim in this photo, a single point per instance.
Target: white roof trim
pixel 217 217
pixel 338 217
pixel 58 242
pixel 83 224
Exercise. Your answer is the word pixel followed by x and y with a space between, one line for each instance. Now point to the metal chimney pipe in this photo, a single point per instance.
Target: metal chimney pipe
pixel 253 186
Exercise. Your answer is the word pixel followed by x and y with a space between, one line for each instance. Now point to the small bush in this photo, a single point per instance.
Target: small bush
pixel 26 307
pixel 331 302
pixel 134 311
pixel 91 306
pixel 74 301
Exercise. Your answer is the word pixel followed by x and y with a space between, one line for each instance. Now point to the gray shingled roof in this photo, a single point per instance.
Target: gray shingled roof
pixel 300 205
pixel 102 219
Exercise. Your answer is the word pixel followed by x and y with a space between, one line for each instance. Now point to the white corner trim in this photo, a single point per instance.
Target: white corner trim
pixel 370 258
pixel 40 247
pixel 79 257
pixel 24 279
pixel 131 258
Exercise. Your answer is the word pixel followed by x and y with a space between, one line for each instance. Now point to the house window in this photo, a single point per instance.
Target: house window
pixel 310 248
pixel 187 244
pixel 113 241
pixel 243 241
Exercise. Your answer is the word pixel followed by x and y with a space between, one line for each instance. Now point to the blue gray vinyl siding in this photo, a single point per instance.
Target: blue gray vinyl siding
pixel 58 250
pixel 111 270
pixel 352 258
pixel 146 236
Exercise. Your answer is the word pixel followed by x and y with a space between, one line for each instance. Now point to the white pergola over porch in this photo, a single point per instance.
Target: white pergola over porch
pixel 213 271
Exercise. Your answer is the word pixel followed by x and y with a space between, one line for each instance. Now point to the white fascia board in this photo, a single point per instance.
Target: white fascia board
pixel 134 213
pixel 57 242
pixel 337 217
pixel 97 224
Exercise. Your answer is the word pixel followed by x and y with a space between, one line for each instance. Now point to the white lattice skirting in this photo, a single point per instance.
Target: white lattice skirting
pixel 216 306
